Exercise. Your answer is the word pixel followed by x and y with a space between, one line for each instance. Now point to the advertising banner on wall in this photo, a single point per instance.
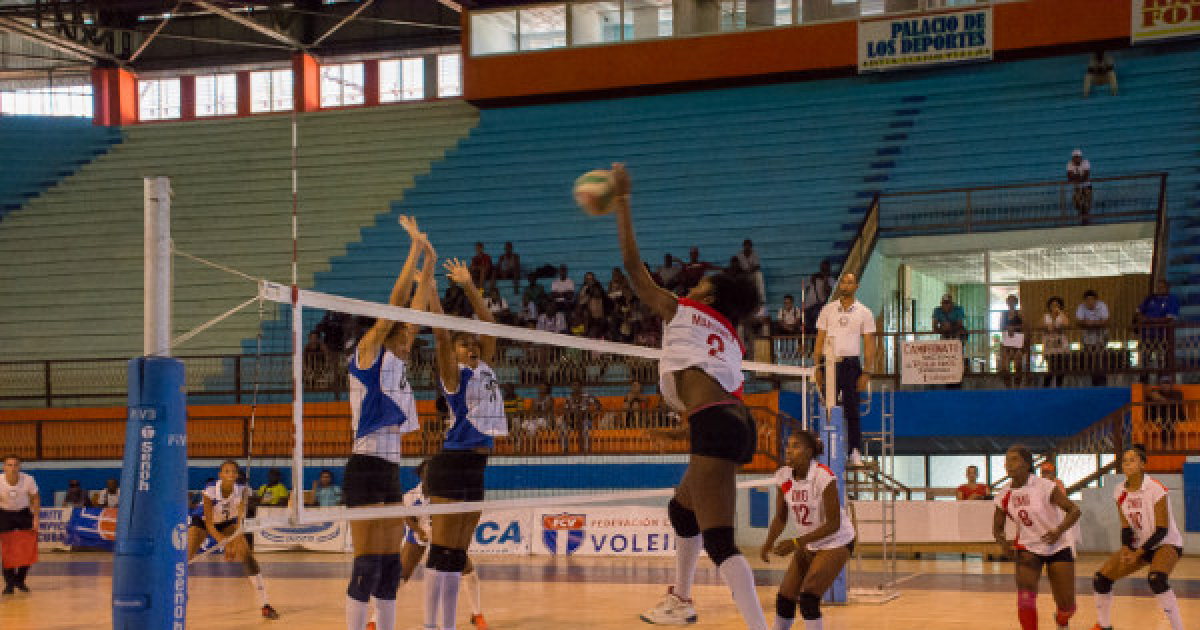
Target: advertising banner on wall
pixel 927 40
pixel 604 531
pixel 52 528
pixel 1162 19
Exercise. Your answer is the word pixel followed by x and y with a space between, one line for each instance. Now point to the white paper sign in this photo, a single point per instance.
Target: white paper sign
pixel 931 362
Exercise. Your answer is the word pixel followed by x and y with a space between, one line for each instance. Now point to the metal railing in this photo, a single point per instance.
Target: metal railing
pixel 1019 206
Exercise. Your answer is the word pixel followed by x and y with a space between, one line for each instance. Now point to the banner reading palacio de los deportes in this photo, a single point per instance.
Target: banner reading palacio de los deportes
pixel 894 44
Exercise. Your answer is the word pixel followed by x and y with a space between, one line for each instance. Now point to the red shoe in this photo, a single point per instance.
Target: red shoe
pixel 479 622
pixel 269 613
pixel 370 625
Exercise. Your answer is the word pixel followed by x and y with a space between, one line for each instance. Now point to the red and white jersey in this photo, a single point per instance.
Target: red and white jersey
pixel 805 500
pixel 1138 508
pixel 1030 508
pixel 699 337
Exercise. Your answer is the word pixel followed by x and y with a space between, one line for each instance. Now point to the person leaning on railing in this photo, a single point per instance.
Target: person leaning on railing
pixel 1156 319
pixel 1013 344
pixel 1054 341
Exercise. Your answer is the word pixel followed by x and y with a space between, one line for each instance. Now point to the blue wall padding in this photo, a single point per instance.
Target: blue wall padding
pixel 1191 496
pixel 760 507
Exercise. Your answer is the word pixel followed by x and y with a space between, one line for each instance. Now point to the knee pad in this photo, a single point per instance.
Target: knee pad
pixel 683 520
pixel 1101 584
pixel 364 577
pixel 1062 617
pixel 719 544
pixel 785 607
pixel 446 559
pixel 1158 582
pixel 810 606
pixel 389 577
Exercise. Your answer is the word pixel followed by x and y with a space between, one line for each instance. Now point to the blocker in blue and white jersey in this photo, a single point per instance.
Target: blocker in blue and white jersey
pixel 476 409
pixel 382 405
pixel 225 508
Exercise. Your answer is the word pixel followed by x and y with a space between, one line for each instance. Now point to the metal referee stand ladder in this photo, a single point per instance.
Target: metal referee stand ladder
pixel 872 479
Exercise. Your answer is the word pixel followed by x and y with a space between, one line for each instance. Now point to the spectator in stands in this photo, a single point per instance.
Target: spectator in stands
pixel 750 263
pixel 534 293
pixel 787 320
pixel 1156 322
pixel 1164 410
pixel 693 271
pixel 950 322
pixel 1079 175
pixel 668 273
pixel 332 329
pixel 593 302
pixel 498 306
pixel 75 496
pixel 542 411
pixel 273 493
pixel 647 325
pixel 972 490
pixel 1054 341
pixel 562 290
pixel 1100 71
pixel 514 405
pixel 816 295
pixel 580 411
pixel 20 511
pixel 109 496
pixel 620 299
pixel 1013 345
pixel 1092 316
pixel 508 267
pixel 325 492
pixel 552 320
pixel 318 362
pixel 481 266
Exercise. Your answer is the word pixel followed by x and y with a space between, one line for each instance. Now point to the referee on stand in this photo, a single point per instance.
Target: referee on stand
pixel 850 328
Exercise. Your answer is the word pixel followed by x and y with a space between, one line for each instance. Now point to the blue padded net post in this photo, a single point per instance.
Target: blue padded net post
pixel 833 434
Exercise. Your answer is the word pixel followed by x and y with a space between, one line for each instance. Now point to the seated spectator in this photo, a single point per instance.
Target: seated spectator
pixel 552 320
pixel 273 493
pixel 816 295
pixel 514 405
pixel 618 286
pixel 749 262
pixel 318 363
pixel 498 306
pixel 577 322
pixel 529 312
pixel 636 406
pixel 693 271
pixel 1164 410
pixel 542 411
pixel 1054 341
pixel 110 496
pixel 788 319
pixel 325 492
pixel 481 267
pixel 1013 344
pixel 668 273
pixel 1100 71
pixel 74 496
pixel 647 326
pixel 534 293
pixel 593 301
pixel 508 267
pixel 1155 320
pixel 972 490
pixel 1092 316
pixel 580 411
pixel 562 290
pixel 1079 175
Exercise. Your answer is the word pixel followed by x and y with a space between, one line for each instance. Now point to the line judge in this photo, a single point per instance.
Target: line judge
pixel 850 328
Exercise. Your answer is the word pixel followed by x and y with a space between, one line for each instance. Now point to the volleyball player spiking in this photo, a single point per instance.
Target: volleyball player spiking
pixel 1043 514
pixel 383 409
pixel 223 508
pixel 455 474
pixel 700 375
pixel 808 491
pixel 1149 538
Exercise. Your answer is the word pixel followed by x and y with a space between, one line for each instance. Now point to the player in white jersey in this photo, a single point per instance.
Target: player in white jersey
pixel 224 510
pixel 382 409
pixel 1149 537
pixel 700 375
pixel 455 474
pixel 1043 514
pixel 808 491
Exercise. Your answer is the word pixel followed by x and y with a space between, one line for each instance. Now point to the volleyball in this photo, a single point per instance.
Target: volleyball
pixel 594 192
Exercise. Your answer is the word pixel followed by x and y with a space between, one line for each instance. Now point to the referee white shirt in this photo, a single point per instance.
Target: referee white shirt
pixel 845 327
pixel 17 497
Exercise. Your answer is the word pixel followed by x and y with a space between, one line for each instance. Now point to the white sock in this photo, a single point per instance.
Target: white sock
pixel 356 614
pixel 433 595
pixel 372 606
pixel 385 609
pixel 782 623
pixel 1103 609
pixel 740 579
pixel 687 552
pixel 471 583
pixel 260 587
pixel 814 624
pixel 450 581
pixel 1171 607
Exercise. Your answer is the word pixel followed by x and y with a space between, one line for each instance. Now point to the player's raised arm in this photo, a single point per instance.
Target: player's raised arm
pixel 460 274
pixel 372 341
pixel 660 301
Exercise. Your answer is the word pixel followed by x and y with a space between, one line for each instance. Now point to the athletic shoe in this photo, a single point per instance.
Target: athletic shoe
pixel 1100 627
pixel 673 610
pixel 8 589
pixel 855 460
pixel 479 622
pixel 370 625
pixel 22 588
pixel 269 613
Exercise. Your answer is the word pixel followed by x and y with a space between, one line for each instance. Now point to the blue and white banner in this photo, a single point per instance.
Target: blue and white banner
pixel 898 43
pixel 52 528
pixel 605 531
pixel 92 527
pixel 504 531
pixel 1163 19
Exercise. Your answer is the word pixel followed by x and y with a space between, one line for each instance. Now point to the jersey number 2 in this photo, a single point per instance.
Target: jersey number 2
pixel 716 346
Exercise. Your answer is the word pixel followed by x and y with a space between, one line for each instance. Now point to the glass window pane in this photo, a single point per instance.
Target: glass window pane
pixel 342 85
pixel 401 80
pixel 595 23
pixel 493 32
pixel 646 19
pixel 282 94
pixel 216 95
pixel 158 99
pixel 449 75
pixel 543 27
pixel 950 471
pixel 910 470
pixel 783 12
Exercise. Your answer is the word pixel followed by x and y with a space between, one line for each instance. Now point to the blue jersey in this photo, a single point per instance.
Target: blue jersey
pixel 382 405
pixel 476 410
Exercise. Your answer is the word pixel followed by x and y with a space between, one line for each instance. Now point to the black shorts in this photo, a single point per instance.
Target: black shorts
pixel 455 475
pixel 370 479
pixel 725 431
pixel 1062 555
pixel 14 520
pixel 198 521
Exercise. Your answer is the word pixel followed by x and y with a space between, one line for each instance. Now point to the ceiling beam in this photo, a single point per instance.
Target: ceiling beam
pixel 250 24
pixel 57 42
pixel 344 21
